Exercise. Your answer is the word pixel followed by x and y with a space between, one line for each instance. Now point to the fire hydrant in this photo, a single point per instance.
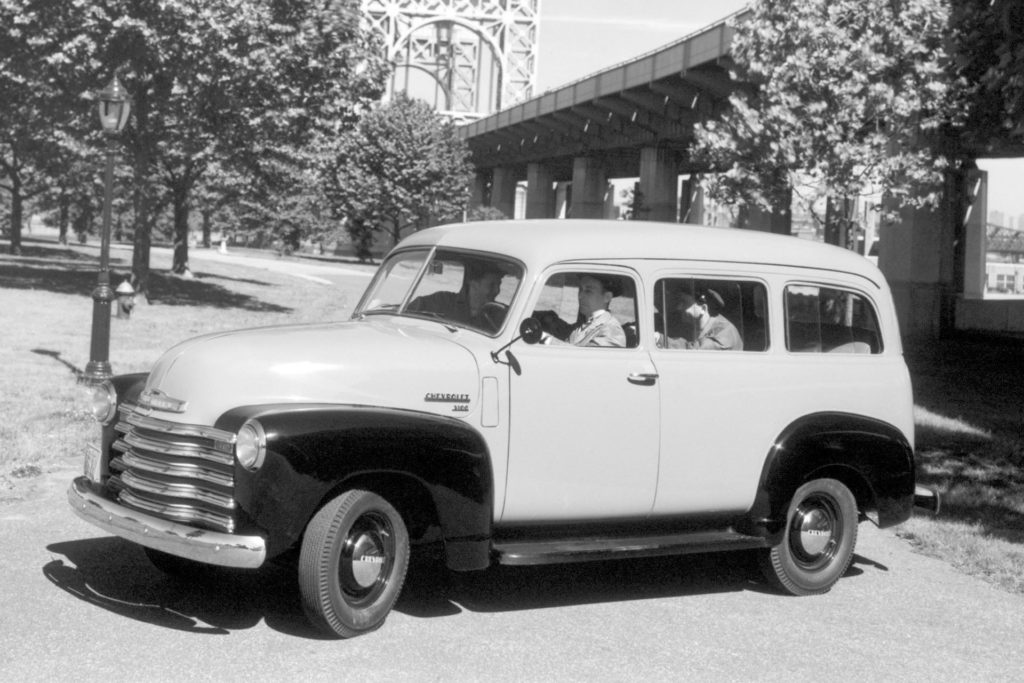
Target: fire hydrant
pixel 125 299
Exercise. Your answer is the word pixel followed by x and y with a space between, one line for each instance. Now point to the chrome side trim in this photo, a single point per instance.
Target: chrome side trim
pixel 200 545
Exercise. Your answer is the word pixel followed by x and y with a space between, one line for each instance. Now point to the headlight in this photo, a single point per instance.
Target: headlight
pixel 102 401
pixel 251 445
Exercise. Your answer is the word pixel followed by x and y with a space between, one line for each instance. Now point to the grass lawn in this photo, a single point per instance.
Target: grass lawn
pixel 969 393
pixel 45 320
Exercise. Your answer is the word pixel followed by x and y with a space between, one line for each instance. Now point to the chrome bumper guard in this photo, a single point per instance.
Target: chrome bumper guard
pixel 927 499
pixel 200 545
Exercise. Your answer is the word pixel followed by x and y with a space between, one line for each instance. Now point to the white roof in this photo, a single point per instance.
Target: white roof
pixel 556 240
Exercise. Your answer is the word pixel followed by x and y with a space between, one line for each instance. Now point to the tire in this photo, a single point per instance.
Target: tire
pixel 821 532
pixel 354 557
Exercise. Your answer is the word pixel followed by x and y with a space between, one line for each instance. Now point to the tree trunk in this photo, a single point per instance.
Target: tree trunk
pixel 64 217
pixel 181 210
pixel 207 226
pixel 142 238
pixel 17 212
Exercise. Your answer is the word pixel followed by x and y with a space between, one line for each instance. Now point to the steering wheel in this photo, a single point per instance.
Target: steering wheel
pixel 493 313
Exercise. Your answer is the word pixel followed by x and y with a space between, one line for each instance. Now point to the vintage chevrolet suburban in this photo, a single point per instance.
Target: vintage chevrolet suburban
pixel 750 393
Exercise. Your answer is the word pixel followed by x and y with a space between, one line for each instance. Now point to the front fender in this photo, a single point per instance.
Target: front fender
pixel 313 450
pixel 859 450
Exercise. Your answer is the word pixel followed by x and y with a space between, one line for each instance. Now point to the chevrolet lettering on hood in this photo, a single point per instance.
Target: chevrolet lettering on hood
pixel 446 398
pixel 461 401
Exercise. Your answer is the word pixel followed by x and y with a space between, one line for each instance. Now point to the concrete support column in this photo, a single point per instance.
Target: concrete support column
pixel 778 221
pixel 589 184
pixel 563 199
pixel 916 257
pixel 503 190
pixel 691 202
pixel 540 191
pixel 478 190
pixel 976 235
pixel 659 179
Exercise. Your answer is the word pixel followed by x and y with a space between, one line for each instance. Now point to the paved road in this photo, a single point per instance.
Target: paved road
pixel 75 603
pixel 310 269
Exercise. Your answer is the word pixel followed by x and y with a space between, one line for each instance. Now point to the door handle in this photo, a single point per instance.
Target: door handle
pixel 643 378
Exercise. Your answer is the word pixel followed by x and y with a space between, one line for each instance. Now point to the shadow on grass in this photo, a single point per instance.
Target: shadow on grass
pixel 75 370
pixel 976 460
pixel 980 380
pixel 981 480
pixel 77 275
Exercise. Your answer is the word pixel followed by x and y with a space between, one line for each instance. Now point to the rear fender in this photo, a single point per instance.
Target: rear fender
pixel 872 457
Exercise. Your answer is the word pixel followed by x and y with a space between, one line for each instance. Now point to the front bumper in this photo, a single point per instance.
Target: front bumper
pixel 200 545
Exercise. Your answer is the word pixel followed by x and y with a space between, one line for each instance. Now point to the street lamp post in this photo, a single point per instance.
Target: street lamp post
pixel 114 106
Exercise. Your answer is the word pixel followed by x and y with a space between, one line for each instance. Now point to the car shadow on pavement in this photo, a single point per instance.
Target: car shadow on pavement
pixel 432 591
pixel 115 575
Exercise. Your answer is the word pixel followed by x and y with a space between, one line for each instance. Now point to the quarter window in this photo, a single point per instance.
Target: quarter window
pixel 711 314
pixel 827 320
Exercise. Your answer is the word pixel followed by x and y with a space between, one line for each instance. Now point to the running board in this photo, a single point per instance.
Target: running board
pixel 562 550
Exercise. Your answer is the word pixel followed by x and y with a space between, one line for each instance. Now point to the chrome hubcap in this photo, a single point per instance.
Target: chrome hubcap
pixel 366 558
pixel 815 531
pixel 367 562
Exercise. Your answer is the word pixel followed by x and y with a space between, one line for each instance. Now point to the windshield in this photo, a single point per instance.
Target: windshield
pixel 463 289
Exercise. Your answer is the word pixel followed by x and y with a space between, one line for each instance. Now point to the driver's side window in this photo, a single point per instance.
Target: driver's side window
pixel 584 308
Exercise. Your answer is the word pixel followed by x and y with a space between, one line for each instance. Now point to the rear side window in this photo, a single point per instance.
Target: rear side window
pixel 827 320
pixel 710 314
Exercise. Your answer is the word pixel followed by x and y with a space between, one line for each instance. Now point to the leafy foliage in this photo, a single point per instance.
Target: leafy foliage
pixel 401 166
pixel 989 54
pixel 851 97
pixel 247 87
pixel 39 60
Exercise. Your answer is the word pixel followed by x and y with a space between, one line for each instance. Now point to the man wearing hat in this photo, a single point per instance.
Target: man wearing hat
pixel 714 331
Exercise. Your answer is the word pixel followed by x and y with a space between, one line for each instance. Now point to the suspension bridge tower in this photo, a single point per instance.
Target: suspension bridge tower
pixel 469 58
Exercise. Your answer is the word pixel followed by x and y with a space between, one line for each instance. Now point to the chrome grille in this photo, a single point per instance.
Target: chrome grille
pixel 180 472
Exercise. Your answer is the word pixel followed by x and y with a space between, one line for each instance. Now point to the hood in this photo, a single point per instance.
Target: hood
pixel 369 362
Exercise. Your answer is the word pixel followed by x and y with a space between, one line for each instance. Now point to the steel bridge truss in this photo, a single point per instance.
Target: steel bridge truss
pixel 473 57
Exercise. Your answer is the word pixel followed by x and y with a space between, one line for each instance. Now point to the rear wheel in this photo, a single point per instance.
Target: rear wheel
pixel 353 563
pixel 821 532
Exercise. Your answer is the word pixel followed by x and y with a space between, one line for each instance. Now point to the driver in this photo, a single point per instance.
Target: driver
pixel 481 283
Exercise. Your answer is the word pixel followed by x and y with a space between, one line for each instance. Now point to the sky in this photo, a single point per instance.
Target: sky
pixel 580 37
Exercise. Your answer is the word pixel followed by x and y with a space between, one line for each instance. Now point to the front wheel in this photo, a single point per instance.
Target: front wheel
pixel 354 557
pixel 821 532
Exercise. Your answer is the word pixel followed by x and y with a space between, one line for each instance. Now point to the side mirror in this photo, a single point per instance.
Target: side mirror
pixel 530 331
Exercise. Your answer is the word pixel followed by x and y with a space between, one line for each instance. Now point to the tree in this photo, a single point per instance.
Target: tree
pixel 38 114
pixel 401 166
pixel 988 47
pixel 848 97
pixel 233 82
